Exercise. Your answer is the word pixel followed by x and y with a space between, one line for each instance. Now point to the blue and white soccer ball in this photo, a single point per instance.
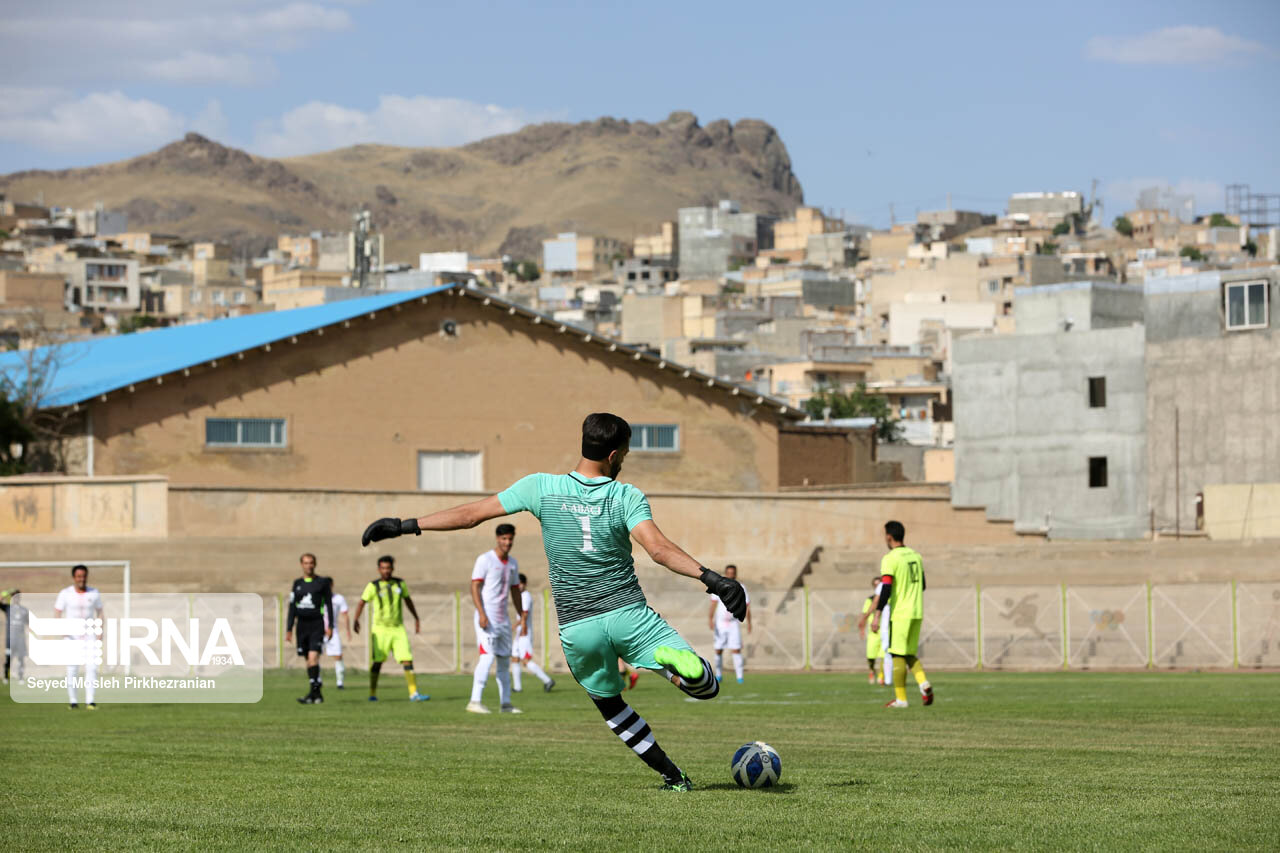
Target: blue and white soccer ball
pixel 756 765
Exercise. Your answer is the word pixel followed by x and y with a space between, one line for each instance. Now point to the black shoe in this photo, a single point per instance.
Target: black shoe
pixel 340 687
pixel 317 699
pixel 681 785
pixel 546 688
pixel 309 699
pixel 74 706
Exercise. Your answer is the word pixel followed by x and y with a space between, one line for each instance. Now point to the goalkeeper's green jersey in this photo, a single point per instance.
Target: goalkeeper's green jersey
pixel 906 596
pixel 586 531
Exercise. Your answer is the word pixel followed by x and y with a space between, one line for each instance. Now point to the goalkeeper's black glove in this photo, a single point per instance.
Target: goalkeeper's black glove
pixel 389 528
pixel 729 591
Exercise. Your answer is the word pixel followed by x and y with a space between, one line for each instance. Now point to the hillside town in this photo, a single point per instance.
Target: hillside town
pixel 930 337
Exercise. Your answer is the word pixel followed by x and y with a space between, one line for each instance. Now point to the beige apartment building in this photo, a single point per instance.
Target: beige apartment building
pixel 792 235
pixel 664 244
pixel 448 389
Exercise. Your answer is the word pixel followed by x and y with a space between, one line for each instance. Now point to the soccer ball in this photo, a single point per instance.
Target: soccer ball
pixel 756 765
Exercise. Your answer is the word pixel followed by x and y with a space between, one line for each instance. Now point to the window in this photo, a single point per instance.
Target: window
pixel 1097 472
pixel 1247 305
pixel 240 297
pixel 244 432
pixel 450 471
pixel 646 437
pixel 1097 392
pixel 993 285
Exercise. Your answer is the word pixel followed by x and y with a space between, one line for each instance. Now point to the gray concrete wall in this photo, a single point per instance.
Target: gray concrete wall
pixel 1224 387
pixel 1025 431
pixel 1087 305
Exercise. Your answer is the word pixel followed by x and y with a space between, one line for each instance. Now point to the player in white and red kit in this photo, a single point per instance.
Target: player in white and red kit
pixel 333 645
pixel 81 602
pixel 522 643
pixel 728 632
pixel 495 576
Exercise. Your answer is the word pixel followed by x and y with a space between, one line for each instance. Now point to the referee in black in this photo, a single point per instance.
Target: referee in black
pixel 310 601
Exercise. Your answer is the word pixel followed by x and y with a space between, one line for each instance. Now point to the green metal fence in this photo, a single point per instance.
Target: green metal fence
pixel 1003 626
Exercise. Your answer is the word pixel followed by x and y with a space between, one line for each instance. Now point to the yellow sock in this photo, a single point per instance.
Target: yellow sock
pixel 412 681
pixel 917 669
pixel 899 680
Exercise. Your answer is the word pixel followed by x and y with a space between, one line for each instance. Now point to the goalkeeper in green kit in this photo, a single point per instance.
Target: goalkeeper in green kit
pixel 588 519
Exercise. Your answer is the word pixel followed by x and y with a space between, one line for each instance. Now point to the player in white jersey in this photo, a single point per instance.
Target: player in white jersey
pixel 333 645
pixel 82 602
pixel 522 643
pixel 728 633
pixel 495 576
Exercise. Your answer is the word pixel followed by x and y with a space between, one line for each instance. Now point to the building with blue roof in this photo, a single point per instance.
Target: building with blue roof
pixel 448 388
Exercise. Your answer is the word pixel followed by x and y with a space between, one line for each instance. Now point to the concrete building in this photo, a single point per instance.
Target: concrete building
pixel 645 272
pixel 946 224
pixel 665 245
pixel 714 240
pixel 577 256
pixel 1213 380
pixel 1051 422
pixel 250 402
pixel 794 233
pixel 101 283
pixel 1045 210
pixel 454 262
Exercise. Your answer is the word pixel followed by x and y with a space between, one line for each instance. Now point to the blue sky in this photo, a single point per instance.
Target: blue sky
pixel 878 103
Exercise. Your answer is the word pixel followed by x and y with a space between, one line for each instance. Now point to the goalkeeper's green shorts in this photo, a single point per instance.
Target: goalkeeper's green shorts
pixel 593 645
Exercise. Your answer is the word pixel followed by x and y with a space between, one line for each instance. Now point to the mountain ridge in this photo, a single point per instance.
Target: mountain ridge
pixel 502 194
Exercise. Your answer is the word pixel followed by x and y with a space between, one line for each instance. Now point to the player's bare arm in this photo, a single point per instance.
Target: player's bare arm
pixel 711 617
pixel 417 625
pixel 476 586
pixel 515 597
pixel 748 618
pixel 668 554
pixel 345 619
pixel 355 622
pixel 461 517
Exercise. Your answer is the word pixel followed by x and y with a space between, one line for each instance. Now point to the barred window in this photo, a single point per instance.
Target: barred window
pixel 244 432
pixel 655 437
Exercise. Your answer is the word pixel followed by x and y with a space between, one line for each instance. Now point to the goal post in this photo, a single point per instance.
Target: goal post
pixel 12 573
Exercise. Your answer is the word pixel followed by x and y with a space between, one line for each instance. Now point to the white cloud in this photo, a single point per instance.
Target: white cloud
pixel 211 121
pixel 209 42
pixel 192 66
pixel 397 120
pixel 1173 46
pixel 55 120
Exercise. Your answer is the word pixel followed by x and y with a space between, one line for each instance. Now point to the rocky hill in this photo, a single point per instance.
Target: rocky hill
pixel 499 195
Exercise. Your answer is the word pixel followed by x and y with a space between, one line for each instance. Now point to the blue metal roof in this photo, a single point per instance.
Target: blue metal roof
pixel 101 364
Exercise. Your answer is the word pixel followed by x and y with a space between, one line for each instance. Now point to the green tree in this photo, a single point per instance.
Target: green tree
pixel 134 322
pixel 1252 248
pixel 1123 225
pixel 1061 228
pixel 856 403
pixel 1047 248
pixel 1220 220
pixel 1192 253
pixel 527 271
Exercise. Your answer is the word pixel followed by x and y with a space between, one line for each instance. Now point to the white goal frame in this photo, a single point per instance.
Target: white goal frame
pixel 89 564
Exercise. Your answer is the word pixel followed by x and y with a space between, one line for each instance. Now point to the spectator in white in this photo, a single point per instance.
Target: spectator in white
pixel 495 576
pixel 82 603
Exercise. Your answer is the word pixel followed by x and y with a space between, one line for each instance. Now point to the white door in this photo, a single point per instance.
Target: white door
pixel 450 471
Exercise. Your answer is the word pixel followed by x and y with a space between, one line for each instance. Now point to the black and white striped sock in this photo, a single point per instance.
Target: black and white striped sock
pixel 632 730
pixel 704 687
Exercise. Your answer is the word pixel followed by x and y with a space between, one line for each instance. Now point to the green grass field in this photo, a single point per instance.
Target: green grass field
pixel 1060 760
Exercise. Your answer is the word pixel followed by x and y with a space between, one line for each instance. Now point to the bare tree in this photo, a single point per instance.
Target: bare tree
pixel 34 431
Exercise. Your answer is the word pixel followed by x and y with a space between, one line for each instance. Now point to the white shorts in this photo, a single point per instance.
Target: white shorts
pixel 728 637
pixel 522 647
pixel 333 645
pixel 495 641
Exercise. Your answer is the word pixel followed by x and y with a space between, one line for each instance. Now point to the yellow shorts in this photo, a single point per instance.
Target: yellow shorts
pixel 904 636
pixel 393 640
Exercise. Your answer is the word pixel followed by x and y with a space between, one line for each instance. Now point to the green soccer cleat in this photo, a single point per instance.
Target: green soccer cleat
pixel 683 662
pixel 683 785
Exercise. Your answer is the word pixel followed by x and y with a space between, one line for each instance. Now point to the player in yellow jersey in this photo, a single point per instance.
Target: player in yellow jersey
pixel 874 649
pixel 902 589
pixel 387 633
